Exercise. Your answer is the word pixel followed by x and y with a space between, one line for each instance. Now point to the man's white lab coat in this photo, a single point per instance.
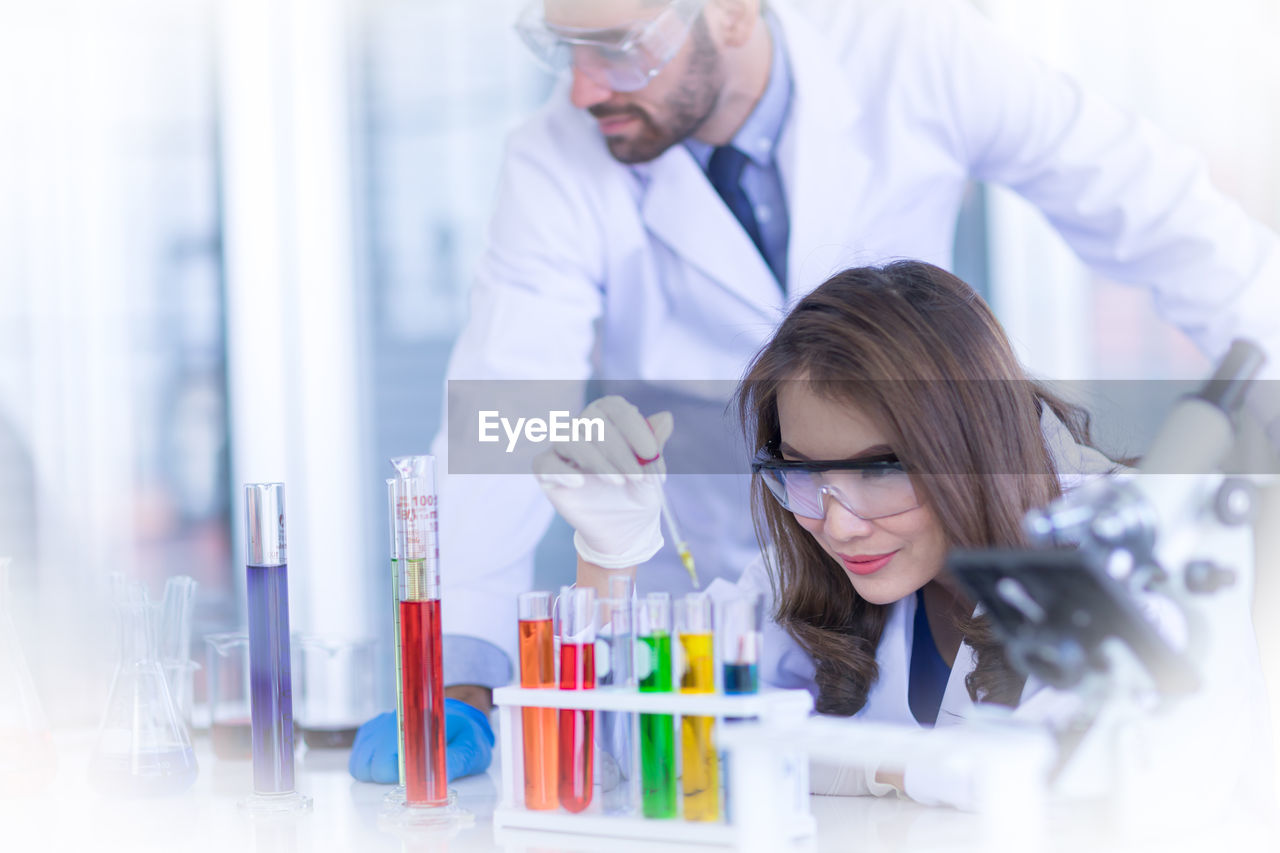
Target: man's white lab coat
pixel 641 272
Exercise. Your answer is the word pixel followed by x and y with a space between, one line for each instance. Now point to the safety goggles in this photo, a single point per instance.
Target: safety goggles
pixel 870 488
pixel 622 59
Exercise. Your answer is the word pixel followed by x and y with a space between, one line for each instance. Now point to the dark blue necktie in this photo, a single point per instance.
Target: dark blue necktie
pixel 725 172
pixel 929 673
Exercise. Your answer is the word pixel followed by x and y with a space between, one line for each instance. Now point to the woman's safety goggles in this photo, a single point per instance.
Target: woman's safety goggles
pixel 623 58
pixel 870 488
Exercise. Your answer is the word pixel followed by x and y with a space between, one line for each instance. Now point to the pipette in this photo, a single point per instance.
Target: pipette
pixel 682 548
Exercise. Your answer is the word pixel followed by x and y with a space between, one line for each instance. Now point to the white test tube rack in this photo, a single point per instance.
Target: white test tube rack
pixel 1002 766
pixel 781 775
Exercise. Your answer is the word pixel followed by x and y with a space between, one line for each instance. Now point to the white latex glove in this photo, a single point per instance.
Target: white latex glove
pixel 612 500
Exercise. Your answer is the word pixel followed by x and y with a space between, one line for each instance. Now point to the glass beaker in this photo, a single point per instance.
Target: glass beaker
pixel 334 689
pixel 28 762
pixel 174 643
pixel 143 747
pixel 230 726
pixel 181 677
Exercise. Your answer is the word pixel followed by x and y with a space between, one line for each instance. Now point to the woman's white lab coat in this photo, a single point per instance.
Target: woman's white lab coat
pixel 788 666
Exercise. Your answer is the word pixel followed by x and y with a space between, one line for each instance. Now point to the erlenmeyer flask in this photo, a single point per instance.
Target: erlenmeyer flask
pixel 143 747
pixel 28 762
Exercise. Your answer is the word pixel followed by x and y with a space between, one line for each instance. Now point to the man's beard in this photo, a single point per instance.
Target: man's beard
pixel 686 108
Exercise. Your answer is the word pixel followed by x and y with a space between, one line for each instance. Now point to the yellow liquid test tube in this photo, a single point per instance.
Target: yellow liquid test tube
pixel 701 783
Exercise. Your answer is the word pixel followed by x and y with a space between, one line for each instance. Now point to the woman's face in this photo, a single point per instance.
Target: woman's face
pixel 885 559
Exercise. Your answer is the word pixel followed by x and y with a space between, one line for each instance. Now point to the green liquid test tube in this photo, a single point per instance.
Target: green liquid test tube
pixel 395 637
pixel 657 731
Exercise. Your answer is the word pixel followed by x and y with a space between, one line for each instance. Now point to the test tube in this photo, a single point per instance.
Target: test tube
pixel 393 525
pixel 538 669
pixel 422 673
pixel 657 731
pixel 701 765
pixel 741 645
pixel 271 690
pixel 616 640
pixel 577 630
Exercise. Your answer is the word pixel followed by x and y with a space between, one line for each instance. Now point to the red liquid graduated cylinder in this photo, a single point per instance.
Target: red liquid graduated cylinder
pixel 426 779
pixel 577 672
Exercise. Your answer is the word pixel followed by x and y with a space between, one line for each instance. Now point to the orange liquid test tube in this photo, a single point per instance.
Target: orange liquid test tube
pixel 538 669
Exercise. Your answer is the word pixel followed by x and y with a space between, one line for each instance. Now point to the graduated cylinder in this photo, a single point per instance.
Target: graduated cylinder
pixel 271 704
pixel 422 672
pixel 394 527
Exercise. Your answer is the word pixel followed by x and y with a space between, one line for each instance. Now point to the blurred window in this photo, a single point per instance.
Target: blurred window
pixel 113 423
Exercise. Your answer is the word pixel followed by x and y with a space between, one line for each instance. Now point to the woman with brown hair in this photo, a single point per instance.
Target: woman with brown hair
pixel 890 422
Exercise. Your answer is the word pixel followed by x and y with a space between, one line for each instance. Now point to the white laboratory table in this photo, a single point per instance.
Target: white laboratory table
pixel 70 816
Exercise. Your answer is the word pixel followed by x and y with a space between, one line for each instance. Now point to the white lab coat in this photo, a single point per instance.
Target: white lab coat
pixel 641 272
pixel 786 665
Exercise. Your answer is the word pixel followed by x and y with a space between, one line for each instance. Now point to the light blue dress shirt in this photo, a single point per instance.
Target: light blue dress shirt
pixel 758 139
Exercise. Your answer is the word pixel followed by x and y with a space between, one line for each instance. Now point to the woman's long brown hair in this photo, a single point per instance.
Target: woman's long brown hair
pixel 916 349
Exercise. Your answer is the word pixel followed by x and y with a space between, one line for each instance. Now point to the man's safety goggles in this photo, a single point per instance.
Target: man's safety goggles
pixel 870 488
pixel 622 59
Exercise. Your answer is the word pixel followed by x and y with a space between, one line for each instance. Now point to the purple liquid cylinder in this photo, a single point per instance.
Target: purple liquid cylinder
pixel 271 697
pixel 269 679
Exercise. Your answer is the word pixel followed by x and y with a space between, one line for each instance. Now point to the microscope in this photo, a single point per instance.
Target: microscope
pixel 1132 606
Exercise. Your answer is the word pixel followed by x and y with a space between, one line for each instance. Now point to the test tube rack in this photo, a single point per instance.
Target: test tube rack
pixel 1002 766
pixel 782 775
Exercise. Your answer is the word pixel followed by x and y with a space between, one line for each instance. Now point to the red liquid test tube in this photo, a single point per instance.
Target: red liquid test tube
pixel 577 672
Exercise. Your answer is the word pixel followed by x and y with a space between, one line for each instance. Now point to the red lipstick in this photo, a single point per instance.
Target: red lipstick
pixel 866 564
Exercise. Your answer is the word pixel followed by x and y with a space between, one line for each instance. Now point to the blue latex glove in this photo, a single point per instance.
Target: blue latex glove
pixel 375 755
pixel 468 737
